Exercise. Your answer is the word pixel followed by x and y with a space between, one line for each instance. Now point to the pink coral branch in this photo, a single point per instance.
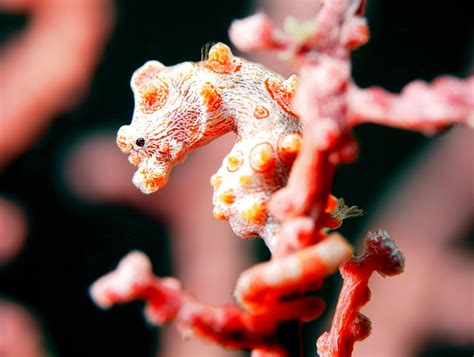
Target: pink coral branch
pixel 329 105
pixel 349 325
pixel 256 33
pixel 420 106
pixel 167 302
pixel 331 17
pixel 46 69
pixel 323 62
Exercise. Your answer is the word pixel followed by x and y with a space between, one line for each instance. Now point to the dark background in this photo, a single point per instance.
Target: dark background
pixel 71 243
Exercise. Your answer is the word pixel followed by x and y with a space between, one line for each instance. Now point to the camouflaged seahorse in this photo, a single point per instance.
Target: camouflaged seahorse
pixel 182 107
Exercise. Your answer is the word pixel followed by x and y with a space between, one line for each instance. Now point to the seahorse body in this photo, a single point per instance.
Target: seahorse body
pixel 182 107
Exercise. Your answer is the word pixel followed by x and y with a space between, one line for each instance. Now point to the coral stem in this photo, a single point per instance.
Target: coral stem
pixel 166 302
pixel 349 326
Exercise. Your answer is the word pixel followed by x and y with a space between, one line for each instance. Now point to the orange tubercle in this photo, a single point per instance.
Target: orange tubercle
pixel 123 144
pixel 245 180
pixel 148 72
pixel 235 161
pixel 227 197
pixel 220 215
pixel 289 147
pixel 261 112
pixel 211 98
pixel 261 157
pixel 221 60
pixel 283 92
pixel 153 97
pixel 216 180
pixel 154 181
pixel 256 213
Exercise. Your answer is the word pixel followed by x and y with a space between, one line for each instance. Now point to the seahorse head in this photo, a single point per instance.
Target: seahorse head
pixel 166 121
pixel 176 110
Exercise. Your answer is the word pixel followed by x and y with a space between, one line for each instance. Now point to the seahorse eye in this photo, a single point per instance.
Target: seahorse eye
pixel 140 142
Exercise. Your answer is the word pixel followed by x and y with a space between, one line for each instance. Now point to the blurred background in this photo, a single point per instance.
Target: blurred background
pixel 69 212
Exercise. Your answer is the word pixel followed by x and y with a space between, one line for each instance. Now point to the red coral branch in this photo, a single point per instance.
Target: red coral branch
pixel 348 324
pixel 272 294
pixel 166 302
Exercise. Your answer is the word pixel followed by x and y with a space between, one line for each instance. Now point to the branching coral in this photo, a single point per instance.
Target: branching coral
pixel 60 49
pixel 260 289
pixel 349 325
pixel 276 181
pixel 330 104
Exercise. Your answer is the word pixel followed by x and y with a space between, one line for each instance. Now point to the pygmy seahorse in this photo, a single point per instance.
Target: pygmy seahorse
pixel 182 107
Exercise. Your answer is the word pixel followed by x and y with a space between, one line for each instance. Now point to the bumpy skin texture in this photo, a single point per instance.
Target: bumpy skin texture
pixel 182 107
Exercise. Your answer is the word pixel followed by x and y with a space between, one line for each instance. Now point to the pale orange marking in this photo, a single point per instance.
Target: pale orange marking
pixel 154 181
pixel 235 161
pixel 123 144
pixel 220 215
pixel 283 92
pixel 289 147
pixel 261 157
pixel 227 197
pixel 134 158
pixel 153 97
pixel 249 234
pixel 211 98
pixel 245 180
pixel 216 180
pixel 221 60
pixel 261 112
pixel 147 74
pixel 255 214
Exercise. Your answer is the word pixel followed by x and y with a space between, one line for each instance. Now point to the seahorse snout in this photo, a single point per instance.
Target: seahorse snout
pixel 154 157
pixel 151 176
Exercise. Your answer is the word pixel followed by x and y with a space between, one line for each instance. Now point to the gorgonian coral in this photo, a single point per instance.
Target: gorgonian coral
pixel 276 181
